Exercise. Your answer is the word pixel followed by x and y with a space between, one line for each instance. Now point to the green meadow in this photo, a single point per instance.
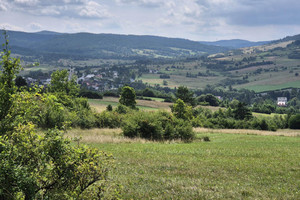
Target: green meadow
pixel 229 166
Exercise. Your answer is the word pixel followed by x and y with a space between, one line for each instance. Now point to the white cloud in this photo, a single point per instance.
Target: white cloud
pixel 35 26
pixel 26 2
pixel 2 7
pixel 144 3
pixel 8 26
pixel 194 19
pixel 94 10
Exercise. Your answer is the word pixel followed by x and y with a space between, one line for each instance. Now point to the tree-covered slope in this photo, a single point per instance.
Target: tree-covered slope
pixel 107 45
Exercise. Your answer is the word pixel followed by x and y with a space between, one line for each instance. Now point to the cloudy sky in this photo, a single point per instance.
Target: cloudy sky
pixel 206 20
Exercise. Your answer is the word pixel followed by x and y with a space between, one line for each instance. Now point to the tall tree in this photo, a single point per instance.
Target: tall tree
pixel 128 97
pixel 185 95
pixel 181 110
pixel 10 67
pixel 61 82
pixel 242 112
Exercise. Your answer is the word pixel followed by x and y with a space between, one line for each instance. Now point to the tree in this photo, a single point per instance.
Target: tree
pixel 20 81
pixel 109 107
pixel 294 122
pixel 165 83
pixel 241 112
pixel 41 166
pixel 148 93
pixel 185 95
pixel 128 97
pixel 62 83
pixel 10 67
pixel 209 98
pixel 182 111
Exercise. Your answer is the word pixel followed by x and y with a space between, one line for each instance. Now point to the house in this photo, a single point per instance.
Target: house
pixel 282 101
pixel 89 76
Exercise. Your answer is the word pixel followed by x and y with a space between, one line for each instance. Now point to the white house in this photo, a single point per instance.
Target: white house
pixel 282 101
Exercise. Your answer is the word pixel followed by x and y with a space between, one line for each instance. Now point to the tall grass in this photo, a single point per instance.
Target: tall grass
pixel 230 166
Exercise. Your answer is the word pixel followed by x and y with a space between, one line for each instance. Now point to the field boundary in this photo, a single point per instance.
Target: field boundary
pixel 281 132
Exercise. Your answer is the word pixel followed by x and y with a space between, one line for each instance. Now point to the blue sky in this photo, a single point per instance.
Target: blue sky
pixel 205 20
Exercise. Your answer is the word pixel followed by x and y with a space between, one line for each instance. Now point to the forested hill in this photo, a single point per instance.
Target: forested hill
pixel 106 45
pixel 288 38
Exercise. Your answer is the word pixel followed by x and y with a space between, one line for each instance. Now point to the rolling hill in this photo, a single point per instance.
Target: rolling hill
pixel 106 45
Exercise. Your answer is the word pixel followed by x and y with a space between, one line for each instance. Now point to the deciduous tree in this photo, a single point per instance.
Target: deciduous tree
pixel 128 97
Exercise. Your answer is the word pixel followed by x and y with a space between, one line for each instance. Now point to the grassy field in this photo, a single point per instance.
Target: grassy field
pixel 230 166
pixel 100 104
pixel 262 88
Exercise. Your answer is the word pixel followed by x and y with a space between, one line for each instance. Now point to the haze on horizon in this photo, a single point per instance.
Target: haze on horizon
pixel 200 20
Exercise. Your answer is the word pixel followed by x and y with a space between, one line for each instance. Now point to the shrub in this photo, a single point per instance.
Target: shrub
pixel 90 94
pixel 121 109
pixel 107 119
pixel 156 126
pixel 181 110
pixel 206 139
pixel 294 122
pixel 109 108
pixel 46 166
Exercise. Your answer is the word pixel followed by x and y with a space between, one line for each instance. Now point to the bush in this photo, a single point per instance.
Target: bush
pixel 107 119
pixel 294 122
pixel 156 126
pixel 90 94
pixel 47 167
pixel 109 107
pixel 121 109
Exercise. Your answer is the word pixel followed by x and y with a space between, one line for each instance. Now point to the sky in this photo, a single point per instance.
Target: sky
pixel 199 20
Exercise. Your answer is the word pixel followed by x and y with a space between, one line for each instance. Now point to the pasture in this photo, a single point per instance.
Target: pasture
pixel 100 104
pixel 233 165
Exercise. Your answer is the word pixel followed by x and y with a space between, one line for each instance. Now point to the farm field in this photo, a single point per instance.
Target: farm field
pixel 235 164
pixel 270 87
pixel 100 104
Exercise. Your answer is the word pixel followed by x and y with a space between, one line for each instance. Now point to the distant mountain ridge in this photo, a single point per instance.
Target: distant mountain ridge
pixel 288 38
pixel 106 45
pixel 235 43
pixel 45 32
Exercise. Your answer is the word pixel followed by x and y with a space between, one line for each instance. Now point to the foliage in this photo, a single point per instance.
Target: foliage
pixel 156 126
pixel 20 81
pixel 121 109
pixel 109 107
pixel 148 93
pixel 210 99
pixel 294 122
pixel 62 83
pixel 185 95
pixel 9 68
pixel 90 94
pixel 181 110
pixel 46 167
pixel 242 112
pixel 128 97
pixel 108 119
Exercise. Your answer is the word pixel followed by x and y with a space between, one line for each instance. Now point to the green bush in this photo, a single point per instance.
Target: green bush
pixel 121 109
pixel 46 166
pixel 156 126
pixel 107 119
pixel 294 122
